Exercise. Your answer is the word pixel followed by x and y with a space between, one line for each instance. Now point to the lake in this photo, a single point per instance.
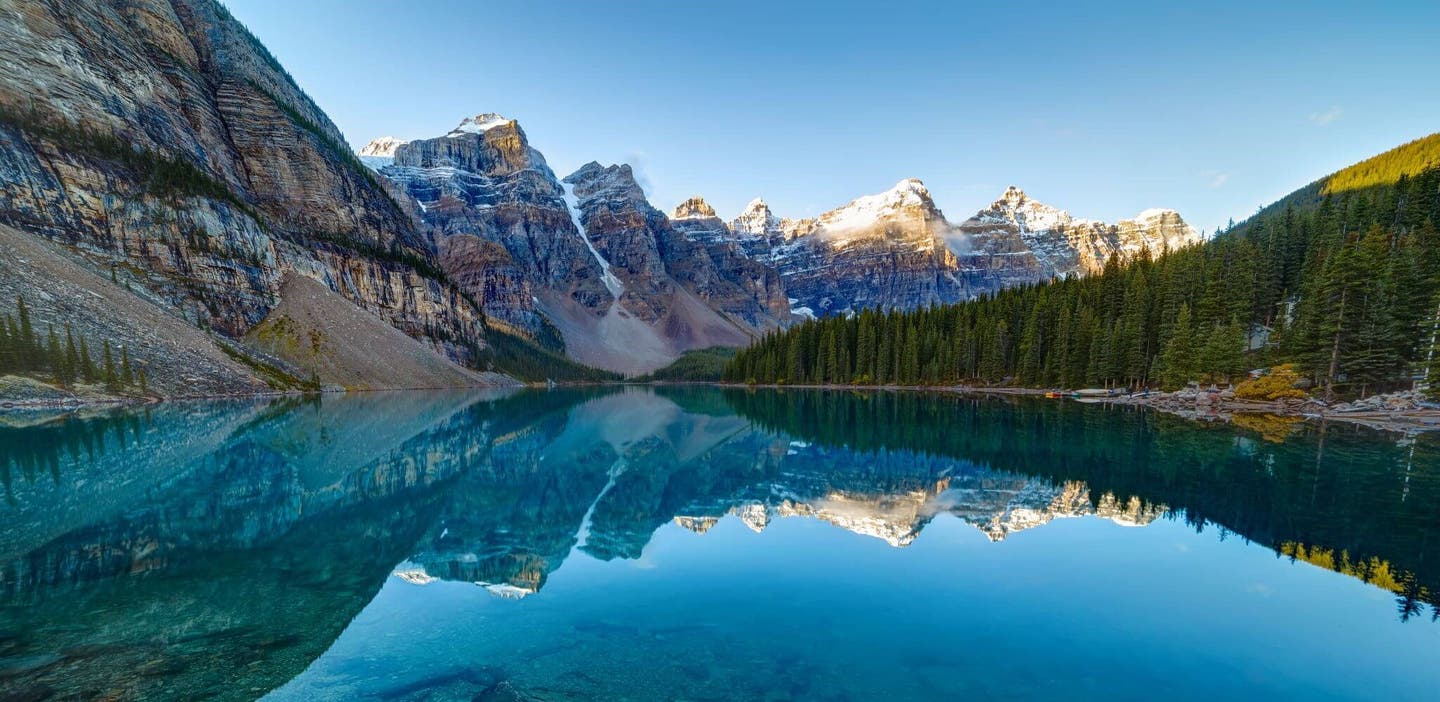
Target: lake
pixel 691 543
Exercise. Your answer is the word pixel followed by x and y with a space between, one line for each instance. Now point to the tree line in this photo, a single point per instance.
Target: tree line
pixel 66 359
pixel 1346 291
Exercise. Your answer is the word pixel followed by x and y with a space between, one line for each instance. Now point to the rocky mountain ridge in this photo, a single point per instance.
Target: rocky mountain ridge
pixel 896 249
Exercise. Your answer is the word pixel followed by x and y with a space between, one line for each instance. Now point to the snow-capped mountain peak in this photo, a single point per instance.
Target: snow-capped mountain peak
pixel 383 146
pixel 1017 209
pixel 756 219
pixel 479 124
pixel 907 195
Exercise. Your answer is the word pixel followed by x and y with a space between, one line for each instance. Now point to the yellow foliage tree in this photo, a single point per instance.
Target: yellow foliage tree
pixel 1278 384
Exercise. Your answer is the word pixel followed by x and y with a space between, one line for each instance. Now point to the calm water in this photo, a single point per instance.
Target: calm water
pixel 712 545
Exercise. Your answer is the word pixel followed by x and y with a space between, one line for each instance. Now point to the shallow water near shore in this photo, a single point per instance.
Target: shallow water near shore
pixel 703 543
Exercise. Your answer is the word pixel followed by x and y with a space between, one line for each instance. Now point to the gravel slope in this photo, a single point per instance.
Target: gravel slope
pixel 316 330
pixel 179 359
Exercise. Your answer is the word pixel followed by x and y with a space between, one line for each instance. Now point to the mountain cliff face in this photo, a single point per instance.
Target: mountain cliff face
pixel 884 251
pixel 745 285
pixel 161 140
pixel 588 258
pixel 500 218
pixel 1018 240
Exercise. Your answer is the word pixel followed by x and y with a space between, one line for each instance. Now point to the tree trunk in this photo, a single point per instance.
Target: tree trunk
pixel 1335 350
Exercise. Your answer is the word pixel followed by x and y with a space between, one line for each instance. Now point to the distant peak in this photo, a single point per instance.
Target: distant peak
pixel 1012 196
pixel 908 192
pixel 479 124
pixel 384 146
pixel 693 208
pixel 756 219
pixel 1014 200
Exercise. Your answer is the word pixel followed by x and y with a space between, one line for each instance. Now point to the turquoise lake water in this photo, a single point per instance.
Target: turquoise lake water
pixel 704 544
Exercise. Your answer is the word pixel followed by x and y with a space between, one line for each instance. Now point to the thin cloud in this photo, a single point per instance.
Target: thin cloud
pixel 1215 179
pixel 1326 117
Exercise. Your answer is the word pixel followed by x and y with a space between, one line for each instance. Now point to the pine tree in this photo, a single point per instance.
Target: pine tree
pixel 127 376
pixel 87 365
pixel 54 358
pixel 1177 361
pixel 28 346
pixel 72 357
pixel 7 348
pixel 112 382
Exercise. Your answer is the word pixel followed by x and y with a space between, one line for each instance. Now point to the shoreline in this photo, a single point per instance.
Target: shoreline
pixel 1200 407
pixel 78 402
pixel 1216 408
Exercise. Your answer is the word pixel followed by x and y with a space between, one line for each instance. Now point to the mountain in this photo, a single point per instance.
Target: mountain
pixel 881 251
pixel 163 145
pixel 1019 240
pixel 896 250
pixel 171 153
pixel 1342 290
pixel 1374 176
pixel 586 263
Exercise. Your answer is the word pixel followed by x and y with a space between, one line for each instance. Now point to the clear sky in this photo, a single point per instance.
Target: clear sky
pixel 1103 109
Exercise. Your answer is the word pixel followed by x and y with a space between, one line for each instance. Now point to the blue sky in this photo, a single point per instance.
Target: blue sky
pixel 1103 109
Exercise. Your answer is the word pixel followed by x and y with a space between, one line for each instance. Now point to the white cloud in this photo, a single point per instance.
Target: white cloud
pixel 1218 180
pixel 1326 117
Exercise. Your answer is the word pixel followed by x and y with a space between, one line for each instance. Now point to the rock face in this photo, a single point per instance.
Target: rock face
pixel 880 251
pixel 1018 240
pixel 743 285
pixel 500 218
pixel 161 137
pixel 588 257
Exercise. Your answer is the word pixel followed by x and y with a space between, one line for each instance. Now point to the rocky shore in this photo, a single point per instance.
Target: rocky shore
pixel 1402 411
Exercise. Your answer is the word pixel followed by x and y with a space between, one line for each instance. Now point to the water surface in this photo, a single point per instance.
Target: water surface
pixel 685 543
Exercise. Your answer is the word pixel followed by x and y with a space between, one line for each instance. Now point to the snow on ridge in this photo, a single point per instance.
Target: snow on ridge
pixel 479 124
pixel 381 147
pixel 863 212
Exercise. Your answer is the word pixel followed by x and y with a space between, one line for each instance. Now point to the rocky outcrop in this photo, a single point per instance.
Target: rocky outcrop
pixel 159 137
pixel 730 278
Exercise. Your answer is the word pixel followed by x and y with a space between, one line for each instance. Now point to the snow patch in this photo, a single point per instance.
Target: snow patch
pixel 572 204
pixel 479 124
pixel 383 147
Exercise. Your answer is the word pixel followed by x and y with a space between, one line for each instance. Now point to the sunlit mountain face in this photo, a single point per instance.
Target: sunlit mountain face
pixel 655 544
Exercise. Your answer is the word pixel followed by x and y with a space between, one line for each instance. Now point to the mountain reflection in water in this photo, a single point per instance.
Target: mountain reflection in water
pixel 218 549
